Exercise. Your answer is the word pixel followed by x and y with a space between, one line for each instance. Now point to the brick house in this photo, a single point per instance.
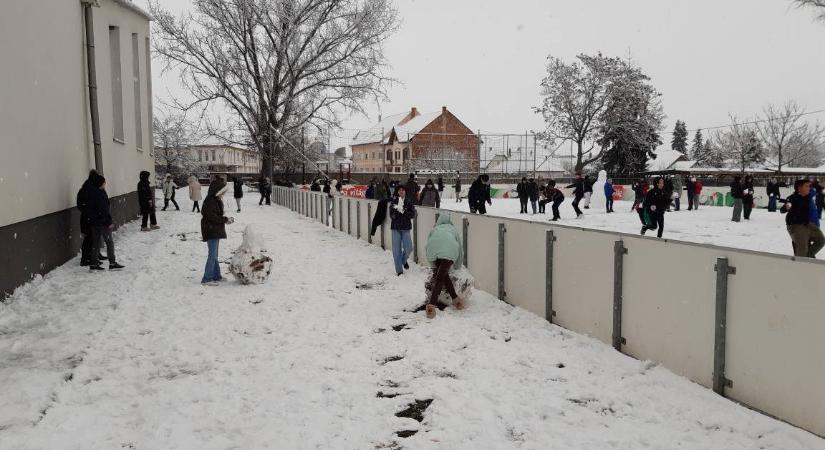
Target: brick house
pixel 412 140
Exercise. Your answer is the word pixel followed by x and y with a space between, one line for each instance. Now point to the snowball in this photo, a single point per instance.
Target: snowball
pixel 462 281
pixel 249 264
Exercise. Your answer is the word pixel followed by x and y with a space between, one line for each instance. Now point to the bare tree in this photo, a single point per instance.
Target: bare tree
pixel 789 138
pixel 740 144
pixel 278 65
pixel 173 135
pixel 818 5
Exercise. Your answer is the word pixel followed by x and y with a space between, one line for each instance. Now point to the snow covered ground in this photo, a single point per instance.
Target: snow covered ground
pixel 327 355
pixel 709 225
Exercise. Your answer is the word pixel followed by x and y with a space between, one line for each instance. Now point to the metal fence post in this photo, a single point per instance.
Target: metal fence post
pixel 349 216
pixel 369 222
pixel 357 219
pixel 502 294
pixel 465 225
pixel 723 269
pixel 340 214
pixel 415 240
pixel 619 251
pixel 383 233
pixel 548 276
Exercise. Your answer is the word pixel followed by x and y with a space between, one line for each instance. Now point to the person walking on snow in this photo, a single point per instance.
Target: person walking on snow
pixel 83 197
pixel 533 193
pixel 265 188
pixel 169 188
pixel 443 253
pixel 479 195
pixel 194 192
pixel 638 195
pixel 412 188
pixel 100 219
pixel 146 200
pixel 429 196
pixel 523 195
pixel 457 188
pixel 578 193
pixel 677 193
pixel 213 229
pixel 737 194
pixel 802 221
pixel 747 196
pixel 773 194
pixel 556 196
pixel 440 185
pixel 656 203
pixel 588 191
pixel 690 188
pixel 608 195
pixel 237 186
pixel 402 213
pixel 697 194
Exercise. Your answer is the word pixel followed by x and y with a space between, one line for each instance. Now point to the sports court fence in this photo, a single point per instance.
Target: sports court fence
pixel 746 324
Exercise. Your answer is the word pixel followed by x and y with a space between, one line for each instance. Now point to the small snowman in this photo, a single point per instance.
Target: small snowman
pixel 249 263
pixel 462 282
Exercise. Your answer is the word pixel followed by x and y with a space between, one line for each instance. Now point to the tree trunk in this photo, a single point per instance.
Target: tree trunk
pixel 579 151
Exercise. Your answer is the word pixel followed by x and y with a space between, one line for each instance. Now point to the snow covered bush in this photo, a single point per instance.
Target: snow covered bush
pixel 249 264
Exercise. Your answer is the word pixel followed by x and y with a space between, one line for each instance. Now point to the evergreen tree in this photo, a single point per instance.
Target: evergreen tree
pixel 698 146
pixel 680 136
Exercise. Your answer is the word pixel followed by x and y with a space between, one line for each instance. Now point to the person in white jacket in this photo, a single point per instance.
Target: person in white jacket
pixel 169 187
pixel 194 192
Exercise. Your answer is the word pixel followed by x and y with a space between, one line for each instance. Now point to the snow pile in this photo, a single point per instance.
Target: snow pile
pixel 463 282
pixel 249 263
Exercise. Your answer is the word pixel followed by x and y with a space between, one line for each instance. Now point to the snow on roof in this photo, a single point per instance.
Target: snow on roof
pixel 665 159
pixel 683 165
pixel 374 133
pixel 414 126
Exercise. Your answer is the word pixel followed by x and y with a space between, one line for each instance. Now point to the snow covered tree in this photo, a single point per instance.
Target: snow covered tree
pixel 741 145
pixel 277 65
pixel 698 146
pixel 631 124
pixel 173 134
pixel 680 136
pixel 584 100
pixel 789 140
pixel 574 97
pixel 816 5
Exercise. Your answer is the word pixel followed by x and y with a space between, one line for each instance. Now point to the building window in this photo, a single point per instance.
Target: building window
pixel 397 155
pixel 136 81
pixel 200 155
pixel 117 83
pixel 406 154
pixel 213 156
pixel 389 155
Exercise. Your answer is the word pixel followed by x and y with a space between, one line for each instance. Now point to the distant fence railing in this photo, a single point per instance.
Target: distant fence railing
pixel 748 325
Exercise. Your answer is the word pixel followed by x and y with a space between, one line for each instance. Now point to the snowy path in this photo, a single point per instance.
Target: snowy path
pixel 709 225
pixel 323 356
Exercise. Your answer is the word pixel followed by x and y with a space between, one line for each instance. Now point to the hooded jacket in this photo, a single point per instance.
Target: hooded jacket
pixel 402 220
pixel 194 188
pixel 479 192
pixel 444 242
pixel 98 210
pixel 146 195
pixel 237 186
pixel 429 197
pixel 213 222
pixel 83 201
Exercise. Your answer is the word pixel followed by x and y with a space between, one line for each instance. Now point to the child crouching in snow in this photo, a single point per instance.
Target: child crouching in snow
pixel 213 229
pixel 443 251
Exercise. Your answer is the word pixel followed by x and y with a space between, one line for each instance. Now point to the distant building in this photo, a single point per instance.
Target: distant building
pixel 414 141
pixel 226 159
pixel 48 126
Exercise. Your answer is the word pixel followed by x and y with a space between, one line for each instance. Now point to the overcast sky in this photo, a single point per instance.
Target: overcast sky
pixel 484 59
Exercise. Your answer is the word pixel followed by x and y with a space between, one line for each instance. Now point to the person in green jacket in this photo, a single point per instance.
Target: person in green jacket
pixel 443 252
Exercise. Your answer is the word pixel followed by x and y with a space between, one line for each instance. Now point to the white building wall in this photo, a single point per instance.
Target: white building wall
pixel 45 129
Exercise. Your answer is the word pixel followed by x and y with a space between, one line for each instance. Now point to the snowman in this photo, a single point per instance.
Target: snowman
pixel 598 199
pixel 463 283
pixel 249 263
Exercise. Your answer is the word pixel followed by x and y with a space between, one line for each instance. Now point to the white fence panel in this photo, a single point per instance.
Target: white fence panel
pixel 524 271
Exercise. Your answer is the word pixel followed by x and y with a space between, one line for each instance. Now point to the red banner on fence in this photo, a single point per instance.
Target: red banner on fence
pixel 355 190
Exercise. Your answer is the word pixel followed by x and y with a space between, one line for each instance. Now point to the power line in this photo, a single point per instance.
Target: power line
pixel 754 122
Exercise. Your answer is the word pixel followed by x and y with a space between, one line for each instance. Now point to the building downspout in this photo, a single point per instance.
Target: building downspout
pixel 91 74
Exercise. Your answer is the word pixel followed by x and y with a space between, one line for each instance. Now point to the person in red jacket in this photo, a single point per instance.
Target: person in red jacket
pixel 697 193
